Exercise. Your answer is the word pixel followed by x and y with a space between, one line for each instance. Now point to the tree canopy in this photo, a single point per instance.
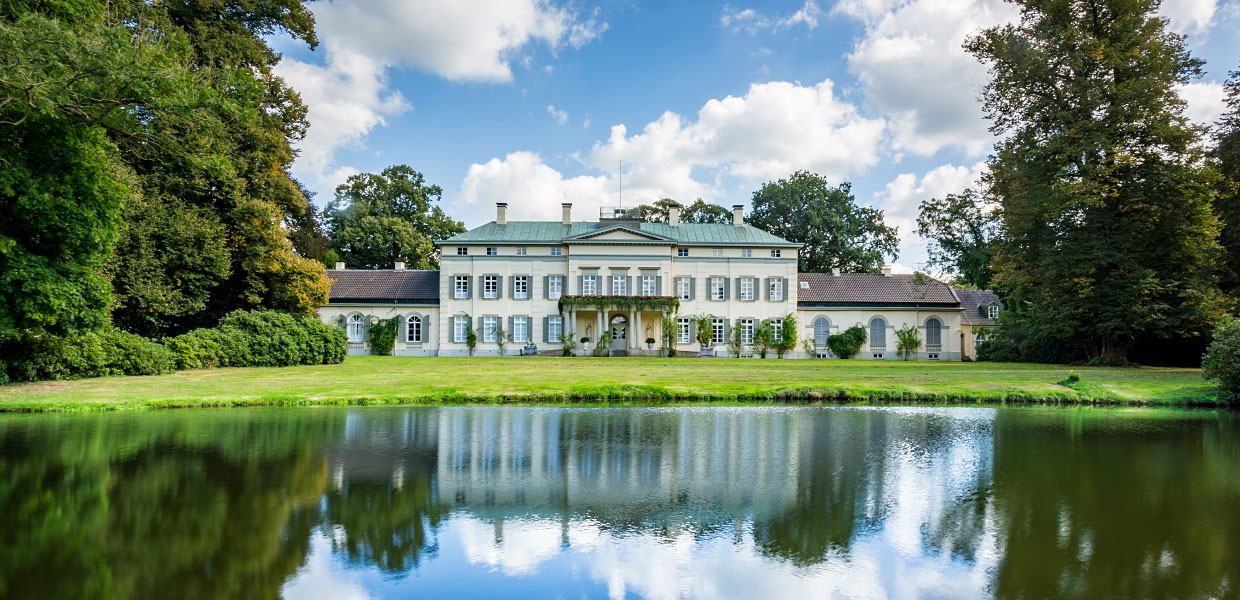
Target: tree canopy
pixel 962 233
pixel 1226 155
pixel 700 211
pixel 1106 204
pixel 837 233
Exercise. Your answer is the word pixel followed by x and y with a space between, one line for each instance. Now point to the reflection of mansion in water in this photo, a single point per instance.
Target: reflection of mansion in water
pixel 524 284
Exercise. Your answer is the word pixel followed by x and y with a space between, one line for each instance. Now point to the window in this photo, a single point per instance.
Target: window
pixel 459 326
pixel 490 286
pixel 822 331
pixel 774 252
pixel 716 331
pixel 746 288
pixel 682 288
pixel 992 311
pixel 520 251
pixel 878 333
pixel 555 287
pixel 462 251
pixel 490 329
pixel 589 285
pixel 521 287
pixel 555 328
pixel 648 285
pixel 413 329
pixel 717 288
pixel 520 330
pixel 777 330
pixel 747 253
pixel 492 251
pixel 619 285
pixel 355 329
pixel 746 326
pixel 682 252
pixel 682 330
pixel 934 334
pixel 556 251
pixel 460 287
pixel 716 252
pixel 777 289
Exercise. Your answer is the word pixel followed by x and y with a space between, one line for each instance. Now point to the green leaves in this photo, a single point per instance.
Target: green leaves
pixel 836 232
pixel 963 233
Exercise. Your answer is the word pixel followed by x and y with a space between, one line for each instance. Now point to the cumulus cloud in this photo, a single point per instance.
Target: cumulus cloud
pixel 774 129
pixel 750 20
pixel 902 196
pixel 1206 101
pixel 347 94
pixel 1189 16
pixel 560 115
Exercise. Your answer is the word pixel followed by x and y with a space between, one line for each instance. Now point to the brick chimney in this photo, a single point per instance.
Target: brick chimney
pixel 501 213
pixel 738 214
pixel 673 216
pixel 567 214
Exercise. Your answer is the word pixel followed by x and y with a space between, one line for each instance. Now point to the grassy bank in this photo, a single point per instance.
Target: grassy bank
pixel 390 380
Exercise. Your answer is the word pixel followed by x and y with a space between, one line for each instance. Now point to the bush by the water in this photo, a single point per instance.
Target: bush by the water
pixel 96 354
pixel 847 343
pixel 260 338
pixel 1221 362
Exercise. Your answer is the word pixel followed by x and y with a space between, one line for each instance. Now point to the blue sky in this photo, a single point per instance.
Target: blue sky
pixel 536 102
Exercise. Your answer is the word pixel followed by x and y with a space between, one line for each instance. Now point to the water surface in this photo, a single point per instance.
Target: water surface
pixel 712 502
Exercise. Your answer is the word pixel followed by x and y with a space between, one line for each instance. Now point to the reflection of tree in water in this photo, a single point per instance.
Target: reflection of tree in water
pixel 1129 509
pixel 155 506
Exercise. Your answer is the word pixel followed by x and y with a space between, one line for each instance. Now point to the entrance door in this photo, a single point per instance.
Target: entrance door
pixel 619 333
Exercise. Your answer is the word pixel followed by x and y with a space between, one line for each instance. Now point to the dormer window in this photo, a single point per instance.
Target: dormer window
pixel 992 311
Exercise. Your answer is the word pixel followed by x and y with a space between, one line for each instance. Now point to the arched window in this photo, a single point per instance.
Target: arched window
pixel 878 331
pixel 355 327
pixel 822 330
pixel 934 332
pixel 413 329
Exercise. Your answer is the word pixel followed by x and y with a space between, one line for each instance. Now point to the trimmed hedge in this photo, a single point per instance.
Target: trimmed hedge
pixel 260 338
pixel 96 354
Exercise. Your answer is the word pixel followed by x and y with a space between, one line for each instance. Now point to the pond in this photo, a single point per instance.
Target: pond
pixel 701 502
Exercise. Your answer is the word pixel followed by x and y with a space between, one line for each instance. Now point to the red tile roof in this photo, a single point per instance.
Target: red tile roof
pixel 872 289
pixel 375 285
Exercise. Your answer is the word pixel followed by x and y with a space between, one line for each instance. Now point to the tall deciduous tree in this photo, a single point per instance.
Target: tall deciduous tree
pixel 836 232
pixel 962 233
pixel 369 201
pixel 700 211
pixel 1105 200
pixel 1227 157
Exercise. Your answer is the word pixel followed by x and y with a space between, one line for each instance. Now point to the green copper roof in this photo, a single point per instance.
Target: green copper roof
pixel 549 232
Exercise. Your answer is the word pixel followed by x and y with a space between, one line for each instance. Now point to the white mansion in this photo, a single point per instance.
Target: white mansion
pixel 529 282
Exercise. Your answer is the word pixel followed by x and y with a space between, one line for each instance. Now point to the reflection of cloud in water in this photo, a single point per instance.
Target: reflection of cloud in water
pixel 319 578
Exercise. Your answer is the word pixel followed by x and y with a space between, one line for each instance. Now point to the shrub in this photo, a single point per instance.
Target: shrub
pixel 1221 362
pixel 762 338
pixel 259 338
pixel 100 353
pixel 383 336
pixel 1019 338
pixel 787 336
pixel 847 343
pixel 907 341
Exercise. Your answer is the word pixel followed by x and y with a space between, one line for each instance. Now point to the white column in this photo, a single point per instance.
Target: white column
pixel 641 335
pixel 598 331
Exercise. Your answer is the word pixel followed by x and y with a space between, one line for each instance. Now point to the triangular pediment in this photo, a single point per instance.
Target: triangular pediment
pixel 619 233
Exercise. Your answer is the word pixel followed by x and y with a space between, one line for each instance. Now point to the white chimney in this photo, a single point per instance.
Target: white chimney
pixel 501 213
pixel 673 216
pixel 567 217
pixel 738 218
pixel 400 265
pixel 340 266
pixel 835 271
pixel 886 269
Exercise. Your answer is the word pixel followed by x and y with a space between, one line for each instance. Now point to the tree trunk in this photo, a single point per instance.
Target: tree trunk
pixel 1112 353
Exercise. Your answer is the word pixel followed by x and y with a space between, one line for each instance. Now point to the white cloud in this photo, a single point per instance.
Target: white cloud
pixel 1206 101
pixel 752 21
pixel 775 129
pixel 912 67
pixel 1189 16
pixel 902 197
pixel 348 96
pixel 560 115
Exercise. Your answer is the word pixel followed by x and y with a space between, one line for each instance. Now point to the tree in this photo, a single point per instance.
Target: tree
pixel 306 231
pixel 397 194
pixel 378 242
pixel 1106 204
pixel 700 211
pixel 836 232
pixel 787 335
pixel 962 234
pixel 1226 155
pixel 908 342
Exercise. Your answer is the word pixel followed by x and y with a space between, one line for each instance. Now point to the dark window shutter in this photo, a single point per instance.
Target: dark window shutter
pixel 499 286
pixel 478 330
pixel 546 329
pixel 738 288
pixel 628 285
pixel 725 288
pixel 692 331
pixel 511 323
pixel 692 288
pixel 546 287
pixel 581 290
pixel 658 285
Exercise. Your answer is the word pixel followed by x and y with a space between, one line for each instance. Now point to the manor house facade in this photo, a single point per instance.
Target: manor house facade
pixel 614 280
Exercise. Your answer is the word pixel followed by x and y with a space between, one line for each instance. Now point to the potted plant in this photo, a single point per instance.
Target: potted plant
pixel 650 343
pixel 705 332
pixel 585 343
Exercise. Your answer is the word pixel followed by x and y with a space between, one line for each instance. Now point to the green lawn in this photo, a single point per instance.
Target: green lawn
pixel 381 380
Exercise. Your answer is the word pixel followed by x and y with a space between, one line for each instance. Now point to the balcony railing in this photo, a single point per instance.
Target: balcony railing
pixel 620 214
